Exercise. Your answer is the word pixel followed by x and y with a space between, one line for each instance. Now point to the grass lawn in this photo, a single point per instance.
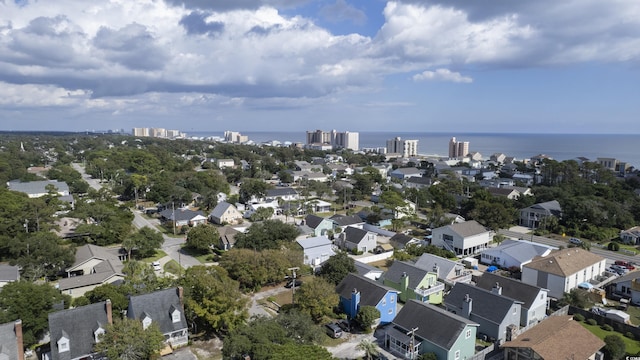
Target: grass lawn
pixel 203 258
pixel 634 314
pixel 172 267
pixel 632 346
pixel 158 255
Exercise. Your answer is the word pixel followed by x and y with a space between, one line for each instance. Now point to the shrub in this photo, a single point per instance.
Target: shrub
pixel 592 322
pixel 606 327
pixel 578 317
pixel 630 335
pixel 613 246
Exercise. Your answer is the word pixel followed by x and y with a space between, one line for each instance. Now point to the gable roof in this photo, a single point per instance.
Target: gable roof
pixel 78 325
pixel 228 235
pixel 407 171
pixel 550 207
pixel 89 251
pixel 558 337
pixel 444 327
pixel 8 339
pixel 180 214
pixel 354 235
pixel 502 191
pixel 445 266
pixel 419 180
pixel 37 187
pixel 313 242
pixel 157 305
pixel 402 239
pixel 220 209
pixel 565 262
pixel 283 191
pixel 511 288
pixel 371 292
pixel 521 250
pixel 467 228
pixel 346 220
pixel 364 268
pixel 487 305
pixel 313 221
pixel 400 268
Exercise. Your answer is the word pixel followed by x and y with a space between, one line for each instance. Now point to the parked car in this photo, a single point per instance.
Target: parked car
pixel 575 241
pixel 333 330
pixel 156 266
pixel 620 270
pixel 289 283
pixel 625 264
pixel 344 325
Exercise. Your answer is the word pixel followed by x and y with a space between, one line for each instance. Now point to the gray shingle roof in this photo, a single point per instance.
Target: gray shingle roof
pixel 434 324
pixel 157 305
pixel 486 304
pixel 180 214
pixel 9 273
pixel 371 292
pixel 308 243
pixel 401 239
pixel 37 187
pixel 8 341
pixel 219 210
pixel 511 288
pixel 398 268
pixel 313 221
pixel 354 235
pixel 522 250
pixel 446 267
pixel 344 220
pixel 363 268
pixel 467 228
pixel 285 191
pixel 78 325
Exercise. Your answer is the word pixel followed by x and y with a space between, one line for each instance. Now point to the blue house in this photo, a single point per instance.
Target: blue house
pixel 356 291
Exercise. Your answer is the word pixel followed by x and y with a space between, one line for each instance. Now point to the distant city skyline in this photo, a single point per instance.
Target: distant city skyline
pixel 293 65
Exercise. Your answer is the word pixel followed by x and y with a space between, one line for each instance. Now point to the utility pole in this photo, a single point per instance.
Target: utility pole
pixel 293 283
pixel 412 333
pixel 173 208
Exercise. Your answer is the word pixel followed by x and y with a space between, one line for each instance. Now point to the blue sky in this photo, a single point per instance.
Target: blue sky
pixel 293 65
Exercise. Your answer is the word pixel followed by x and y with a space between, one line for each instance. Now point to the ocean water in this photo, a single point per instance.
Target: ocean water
pixel 521 146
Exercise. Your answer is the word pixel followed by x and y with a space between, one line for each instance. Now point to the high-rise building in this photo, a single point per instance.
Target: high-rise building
pixel 458 149
pixel 235 137
pixel 407 148
pixel 337 140
pixel 142 132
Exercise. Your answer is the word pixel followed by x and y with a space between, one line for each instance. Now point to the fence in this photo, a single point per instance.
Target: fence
pixel 616 325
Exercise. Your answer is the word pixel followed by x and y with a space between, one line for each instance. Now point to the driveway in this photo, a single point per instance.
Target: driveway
pixel 348 349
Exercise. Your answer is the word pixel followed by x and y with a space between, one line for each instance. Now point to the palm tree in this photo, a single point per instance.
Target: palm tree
pixel 370 348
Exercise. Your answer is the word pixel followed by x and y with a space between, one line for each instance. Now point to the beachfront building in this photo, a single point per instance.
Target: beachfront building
pixel 458 149
pixel 406 148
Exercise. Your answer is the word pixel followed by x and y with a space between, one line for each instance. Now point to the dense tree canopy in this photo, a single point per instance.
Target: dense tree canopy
pixel 269 234
pixel 316 298
pixel 336 268
pixel 126 339
pixel 202 238
pixel 143 243
pixel 254 269
pixel 39 254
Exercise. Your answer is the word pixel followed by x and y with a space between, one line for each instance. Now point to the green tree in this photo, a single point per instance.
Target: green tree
pixel 336 268
pixel 369 348
pixel 393 201
pixel 575 297
pixel 254 269
pixel 316 298
pixel 118 294
pixel 367 316
pixel 269 234
pixel 213 301
pixel 261 214
pixel 39 254
pixel 145 242
pixel 614 348
pixel 126 339
pixel 202 238
pixel 31 303
pixel 252 187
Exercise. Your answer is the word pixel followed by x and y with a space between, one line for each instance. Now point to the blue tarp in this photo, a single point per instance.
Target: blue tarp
pixel 492 268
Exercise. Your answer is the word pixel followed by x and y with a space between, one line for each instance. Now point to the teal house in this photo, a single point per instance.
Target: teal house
pixel 319 225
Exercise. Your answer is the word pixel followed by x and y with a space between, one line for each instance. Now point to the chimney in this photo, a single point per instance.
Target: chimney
pixel 107 308
pixel 436 269
pixel 512 332
pixel 17 327
pixel 497 289
pixel 181 295
pixel 467 306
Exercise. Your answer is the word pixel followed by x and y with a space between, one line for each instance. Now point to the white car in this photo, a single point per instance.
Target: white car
pixel 575 241
pixel 156 266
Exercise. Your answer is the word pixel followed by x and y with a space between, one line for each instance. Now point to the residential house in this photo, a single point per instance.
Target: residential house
pixel 8 274
pixel 447 271
pixel 557 337
pixel 284 193
pixel 533 298
pixel 400 241
pixel 316 250
pixel 183 217
pixel 413 282
pixel 498 158
pixel 93 266
pixel 225 163
pixel 74 332
pixel 563 270
pixel 405 173
pixel 164 308
pixel 526 179
pixel 538 159
pixel 11 344
pixel 319 225
pixel 368 271
pixel 454 218
pixel 415 182
pixel 626 287
pixel 607 163
pixel 421 328
pixel 225 213
pixel 356 239
pixel 464 239
pixel 536 215
pixel 492 311
pixel 343 221
pixel 314 176
pixel 514 253
pixel 36 189
pixel 356 291
pixel 318 206
pixel 227 237
pixel 631 236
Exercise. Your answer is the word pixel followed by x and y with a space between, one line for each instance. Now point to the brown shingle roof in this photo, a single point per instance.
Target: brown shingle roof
pixel 565 262
pixel 468 228
pixel 558 337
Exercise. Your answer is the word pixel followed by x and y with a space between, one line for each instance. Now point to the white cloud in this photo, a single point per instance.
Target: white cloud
pixel 442 75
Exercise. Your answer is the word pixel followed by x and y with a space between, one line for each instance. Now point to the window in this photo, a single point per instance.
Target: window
pixel 63 345
pixel 175 316
pixel 146 322
pixel 384 302
pixel 457 354
pixel 392 299
pixel 467 334
pixel 515 310
pixel 390 311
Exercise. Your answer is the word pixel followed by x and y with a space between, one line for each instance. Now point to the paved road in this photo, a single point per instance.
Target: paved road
pixel 172 246
pixel 611 255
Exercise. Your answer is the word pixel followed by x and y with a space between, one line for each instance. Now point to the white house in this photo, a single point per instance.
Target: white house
pixel 316 250
pixel 225 163
pixel 563 270
pixel 631 236
pixel 463 239
pixel 225 213
pixel 353 238
pixel 514 253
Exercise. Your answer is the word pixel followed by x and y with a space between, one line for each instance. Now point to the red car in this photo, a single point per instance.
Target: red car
pixel 625 264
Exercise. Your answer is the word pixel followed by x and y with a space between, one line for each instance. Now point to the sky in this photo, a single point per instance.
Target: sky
pixel 491 66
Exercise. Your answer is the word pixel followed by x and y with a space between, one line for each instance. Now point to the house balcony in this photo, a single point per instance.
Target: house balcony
pixel 425 292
